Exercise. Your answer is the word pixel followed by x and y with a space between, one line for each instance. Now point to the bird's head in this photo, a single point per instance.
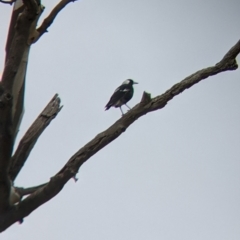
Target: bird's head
pixel 130 82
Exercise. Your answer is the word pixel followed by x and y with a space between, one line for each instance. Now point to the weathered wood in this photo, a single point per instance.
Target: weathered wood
pixel 31 136
pixel 12 88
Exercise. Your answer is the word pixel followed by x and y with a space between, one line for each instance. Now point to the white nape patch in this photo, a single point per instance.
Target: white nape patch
pixel 126 82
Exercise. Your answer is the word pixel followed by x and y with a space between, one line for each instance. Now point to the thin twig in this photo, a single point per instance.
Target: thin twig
pixel 49 20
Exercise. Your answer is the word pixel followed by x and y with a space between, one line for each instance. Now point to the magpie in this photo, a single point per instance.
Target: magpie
pixel 121 95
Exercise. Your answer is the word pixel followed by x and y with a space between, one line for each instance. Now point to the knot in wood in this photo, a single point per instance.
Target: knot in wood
pixel 121 128
pixel 5 99
pixel 8 97
pixel 232 64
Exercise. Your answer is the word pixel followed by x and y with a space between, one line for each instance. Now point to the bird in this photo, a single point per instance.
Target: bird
pixel 121 95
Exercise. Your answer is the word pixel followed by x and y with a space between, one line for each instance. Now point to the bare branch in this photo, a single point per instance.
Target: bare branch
pixel 49 20
pixel 17 9
pixel 31 136
pixel 36 199
pixel 12 92
pixel 147 105
pixel 17 193
pixel 6 145
pixel 231 55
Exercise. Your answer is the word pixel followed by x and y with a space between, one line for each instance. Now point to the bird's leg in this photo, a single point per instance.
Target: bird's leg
pixel 127 106
pixel 121 111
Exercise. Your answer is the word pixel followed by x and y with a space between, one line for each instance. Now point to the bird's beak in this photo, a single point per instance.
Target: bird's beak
pixel 135 82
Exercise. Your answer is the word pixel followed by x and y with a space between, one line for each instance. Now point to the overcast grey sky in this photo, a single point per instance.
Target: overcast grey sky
pixel 175 173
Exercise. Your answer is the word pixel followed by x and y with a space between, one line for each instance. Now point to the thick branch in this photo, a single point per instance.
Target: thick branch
pixel 31 136
pixel 5 148
pixel 49 20
pixel 101 140
pixel 18 88
pixel 17 9
pixel 12 88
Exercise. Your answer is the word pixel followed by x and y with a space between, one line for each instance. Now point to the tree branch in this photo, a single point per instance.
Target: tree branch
pixel 31 136
pixel 49 20
pixel 147 105
pixel 12 91
pixel 26 191
pixel 17 193
pixel 6 145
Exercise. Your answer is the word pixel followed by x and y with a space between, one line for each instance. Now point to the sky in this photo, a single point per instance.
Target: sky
pixel 174 174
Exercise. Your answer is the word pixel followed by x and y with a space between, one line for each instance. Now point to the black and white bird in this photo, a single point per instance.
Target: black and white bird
pixel 121 95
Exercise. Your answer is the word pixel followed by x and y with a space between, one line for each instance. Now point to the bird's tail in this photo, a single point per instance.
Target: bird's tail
pixel 107 107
